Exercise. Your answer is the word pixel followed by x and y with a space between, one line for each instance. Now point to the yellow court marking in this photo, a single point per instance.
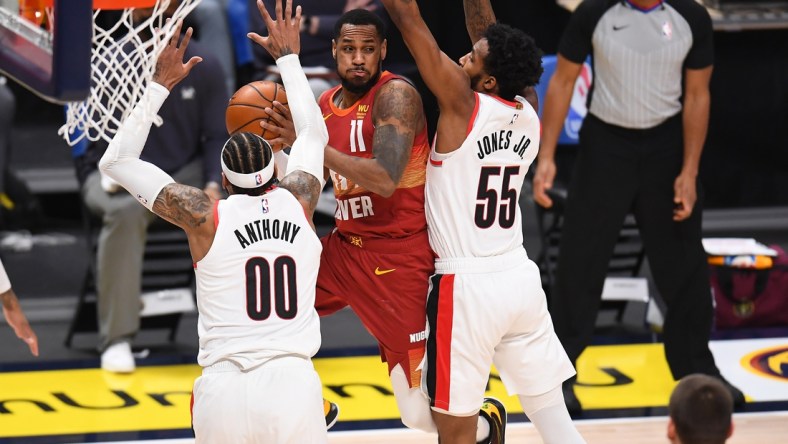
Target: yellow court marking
pixel 90 401
pixel 624 376
pixel 156 398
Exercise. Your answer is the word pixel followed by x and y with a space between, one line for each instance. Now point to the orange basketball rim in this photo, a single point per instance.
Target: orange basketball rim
pixel 115 4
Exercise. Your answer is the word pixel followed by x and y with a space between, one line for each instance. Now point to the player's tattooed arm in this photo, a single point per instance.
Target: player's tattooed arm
pixel 305 187
pixel 478 16
pixel 398 115
pixel 185 206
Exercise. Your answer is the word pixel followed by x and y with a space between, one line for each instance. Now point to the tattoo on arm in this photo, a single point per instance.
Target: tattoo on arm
pixel 478 17
pixel 392 150
pixel 398 115
pixel 304 186
pixel 185 206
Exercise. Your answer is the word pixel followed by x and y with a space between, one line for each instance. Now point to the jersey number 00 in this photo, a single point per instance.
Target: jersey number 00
pixel 259 285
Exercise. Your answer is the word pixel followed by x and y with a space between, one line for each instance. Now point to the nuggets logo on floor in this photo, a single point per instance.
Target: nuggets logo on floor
pixel 771 362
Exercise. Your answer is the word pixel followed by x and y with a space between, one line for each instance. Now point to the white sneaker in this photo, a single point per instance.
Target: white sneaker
pixel 117 358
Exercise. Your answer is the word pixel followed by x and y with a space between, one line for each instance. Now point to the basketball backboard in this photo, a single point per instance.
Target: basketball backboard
pixel 52 60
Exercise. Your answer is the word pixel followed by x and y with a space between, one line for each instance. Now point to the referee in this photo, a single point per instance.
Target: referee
pixel 640 146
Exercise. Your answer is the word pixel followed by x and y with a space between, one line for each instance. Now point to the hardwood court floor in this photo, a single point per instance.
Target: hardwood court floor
pixel 748 428
pixel 624 388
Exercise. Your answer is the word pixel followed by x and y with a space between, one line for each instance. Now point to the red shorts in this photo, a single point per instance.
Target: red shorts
pixel 385 282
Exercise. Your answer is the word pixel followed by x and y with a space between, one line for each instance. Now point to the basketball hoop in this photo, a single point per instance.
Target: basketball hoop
pixel 122 64
pixel 114 4
pixel 123 4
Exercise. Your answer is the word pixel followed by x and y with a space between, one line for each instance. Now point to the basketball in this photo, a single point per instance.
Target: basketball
pixel 247 108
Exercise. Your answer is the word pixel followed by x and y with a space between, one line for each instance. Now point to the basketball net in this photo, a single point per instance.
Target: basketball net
pixel 123 63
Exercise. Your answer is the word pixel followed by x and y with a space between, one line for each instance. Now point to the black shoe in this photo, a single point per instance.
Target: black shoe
pixel 331 411
pixel 495 413
pixel 570 399
pixel 738 397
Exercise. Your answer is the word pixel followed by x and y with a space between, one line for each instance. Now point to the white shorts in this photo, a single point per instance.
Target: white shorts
pixel 279 402
pixel 482 311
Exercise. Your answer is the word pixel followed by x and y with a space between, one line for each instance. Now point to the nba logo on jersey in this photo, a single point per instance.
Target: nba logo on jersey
pixel 667 31
pixel 264 205
pixel 258 179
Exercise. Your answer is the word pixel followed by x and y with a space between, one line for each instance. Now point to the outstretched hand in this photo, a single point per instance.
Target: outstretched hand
pixel 170 68
pixel 16 319
pixel 283 30
pixel 283 125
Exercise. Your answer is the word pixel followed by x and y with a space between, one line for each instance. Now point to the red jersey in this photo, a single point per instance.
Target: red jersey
pixel 359 211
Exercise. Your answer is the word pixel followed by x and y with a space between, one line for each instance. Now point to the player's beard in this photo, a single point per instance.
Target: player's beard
pixel 475 80
pixel 362 88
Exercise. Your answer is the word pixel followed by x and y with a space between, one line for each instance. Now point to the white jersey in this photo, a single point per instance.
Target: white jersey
pixel 256 285
pixel 472 193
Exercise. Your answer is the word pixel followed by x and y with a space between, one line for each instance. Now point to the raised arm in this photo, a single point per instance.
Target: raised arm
pixel 304 176
pixel 479 16
pixel 445 78
pixel 187 207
